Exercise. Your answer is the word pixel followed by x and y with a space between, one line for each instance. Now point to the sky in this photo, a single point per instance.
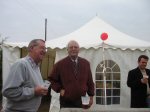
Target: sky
pixel 24 20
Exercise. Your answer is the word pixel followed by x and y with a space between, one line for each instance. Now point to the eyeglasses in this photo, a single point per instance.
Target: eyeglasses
pixel 42 48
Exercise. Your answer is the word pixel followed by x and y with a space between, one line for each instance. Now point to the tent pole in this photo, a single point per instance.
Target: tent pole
pixel 104 75
pixel 45 29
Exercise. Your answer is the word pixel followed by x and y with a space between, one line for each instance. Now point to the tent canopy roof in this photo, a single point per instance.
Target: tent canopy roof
pixel 89 36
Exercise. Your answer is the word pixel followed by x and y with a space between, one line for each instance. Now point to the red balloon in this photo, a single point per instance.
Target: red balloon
pixel 104 36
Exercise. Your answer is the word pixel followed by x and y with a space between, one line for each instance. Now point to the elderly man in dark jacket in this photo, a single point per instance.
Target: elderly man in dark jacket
pixel 72 78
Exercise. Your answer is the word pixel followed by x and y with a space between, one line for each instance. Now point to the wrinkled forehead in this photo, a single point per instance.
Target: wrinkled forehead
pixel 73 43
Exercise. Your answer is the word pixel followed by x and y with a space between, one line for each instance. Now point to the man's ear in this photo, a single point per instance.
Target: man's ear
pixel 30 49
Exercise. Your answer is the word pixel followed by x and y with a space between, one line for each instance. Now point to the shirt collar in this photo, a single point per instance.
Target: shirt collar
pixel 76 60
pixel 33 64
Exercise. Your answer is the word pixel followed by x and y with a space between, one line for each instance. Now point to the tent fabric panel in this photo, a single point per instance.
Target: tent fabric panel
pixel 10 55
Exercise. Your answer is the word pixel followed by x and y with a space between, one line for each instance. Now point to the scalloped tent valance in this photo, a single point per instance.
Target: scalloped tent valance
pixel 89 36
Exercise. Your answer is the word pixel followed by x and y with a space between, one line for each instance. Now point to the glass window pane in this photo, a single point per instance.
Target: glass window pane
pixel 108 84
pixel 116 100
pixel 116 92
pixel 100 100
pixel 99 92
pixel 109 63
pixel 115 68
pixel 99 84
pixel 108 76
pixel 116 76
pixel 99 68
pixel 108 70
pixel 116 84
pixel 109 92
pixel 109 100
pixel 99 76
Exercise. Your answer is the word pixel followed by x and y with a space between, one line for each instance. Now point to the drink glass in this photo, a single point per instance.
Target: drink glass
pixel 85 102
pixel 145 76
pixel 46 84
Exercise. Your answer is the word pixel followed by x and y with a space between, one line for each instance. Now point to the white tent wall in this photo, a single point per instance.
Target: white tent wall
pixel 126 60
pixel 10 55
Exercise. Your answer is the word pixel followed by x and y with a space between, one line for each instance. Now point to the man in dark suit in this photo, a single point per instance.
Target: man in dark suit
pixel 137 80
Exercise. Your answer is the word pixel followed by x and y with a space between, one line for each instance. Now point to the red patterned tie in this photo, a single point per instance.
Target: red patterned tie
pixel 75 67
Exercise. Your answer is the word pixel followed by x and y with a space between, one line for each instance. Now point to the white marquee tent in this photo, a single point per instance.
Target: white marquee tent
pixel 119 47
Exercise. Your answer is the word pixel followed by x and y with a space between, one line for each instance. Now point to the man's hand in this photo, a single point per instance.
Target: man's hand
pixel 144 80
pixel 91 101
pixel 39 90
pixel 62 92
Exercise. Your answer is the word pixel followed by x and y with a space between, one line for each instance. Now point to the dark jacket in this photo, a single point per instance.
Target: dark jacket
pixel 62 76
pixel 138 89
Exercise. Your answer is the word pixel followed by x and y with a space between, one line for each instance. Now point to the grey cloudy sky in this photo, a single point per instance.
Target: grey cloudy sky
pixel 23 20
